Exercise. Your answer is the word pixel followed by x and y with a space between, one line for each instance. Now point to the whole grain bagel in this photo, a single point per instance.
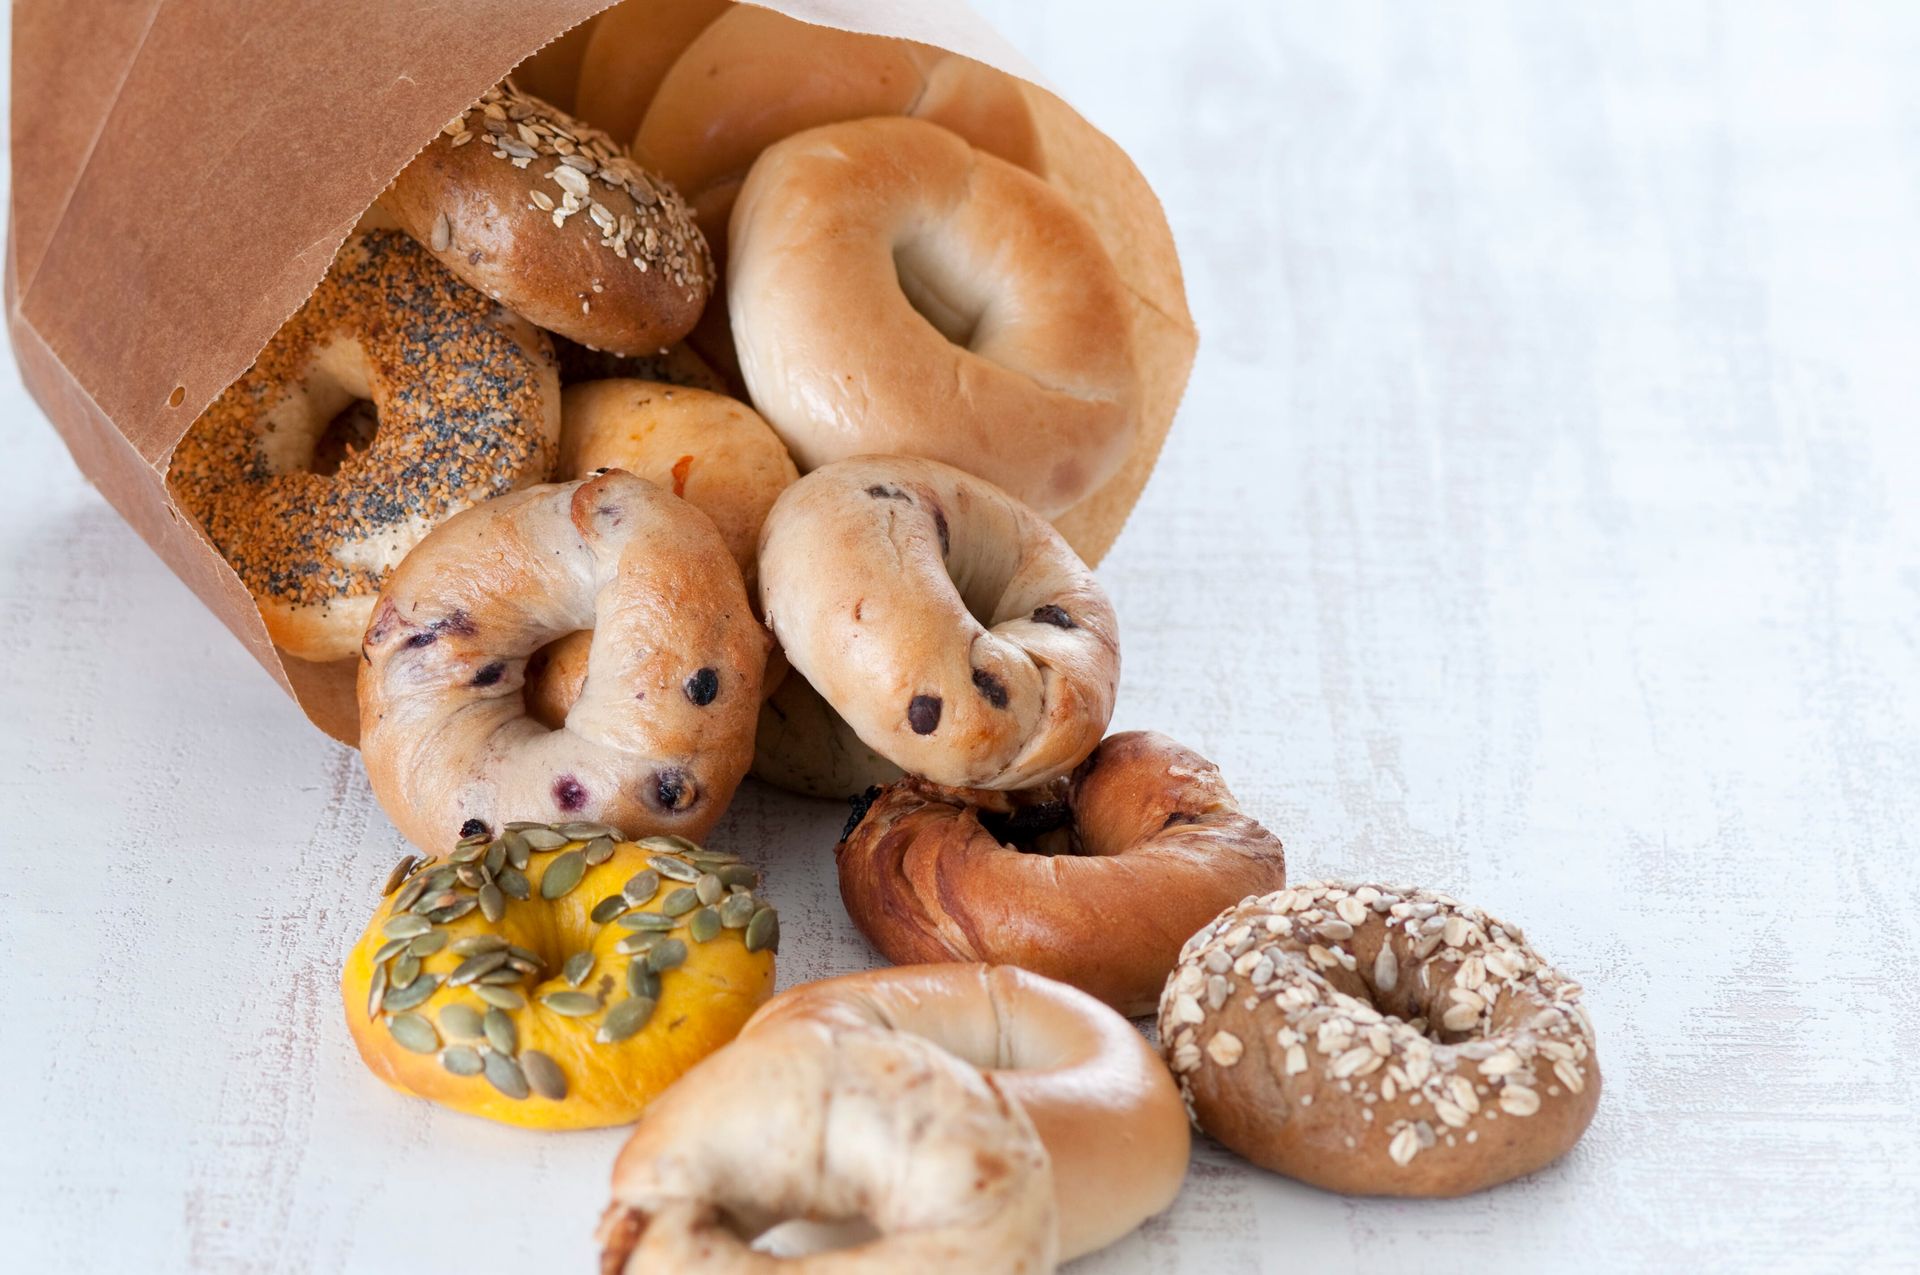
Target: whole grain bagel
pixel 1098 1094
pixel 663 729
pixel 894 290
pixel 552 219
pixel 1095 881
pixel 1378 1040
pixel 467 405
pixel 947 623
pixel 832 1123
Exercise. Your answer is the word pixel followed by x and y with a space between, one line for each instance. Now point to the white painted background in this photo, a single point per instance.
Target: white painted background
pixel 1541 525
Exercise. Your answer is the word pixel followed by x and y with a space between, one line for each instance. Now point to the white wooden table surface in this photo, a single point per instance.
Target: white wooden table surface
pixel 1541 525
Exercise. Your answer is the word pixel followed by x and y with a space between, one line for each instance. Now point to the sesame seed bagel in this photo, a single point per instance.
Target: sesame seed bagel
pixel 468 407
pixel 557 977
pixel 1095 1090
pixel 950 626
pixel 550 217
pixel 663 729
pixel 1095 881
pixel 832 1123
pixel 1376 1040
pixel 894 290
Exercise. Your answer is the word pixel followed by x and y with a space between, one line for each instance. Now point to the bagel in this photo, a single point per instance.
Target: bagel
pixel 803 746
pixel 468 406
pixel 676 365
pixel 662 731
pixel 893 290
pixel 556 977
pixel 1098 1094
pixel 552 72
pixel 551 218
pixel 633 47
pixel 832 1124
pixel 1376 1040
pixel 1095 881
pixel 951 627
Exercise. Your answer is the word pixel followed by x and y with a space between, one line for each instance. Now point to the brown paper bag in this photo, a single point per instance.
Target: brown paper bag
pixel 183 173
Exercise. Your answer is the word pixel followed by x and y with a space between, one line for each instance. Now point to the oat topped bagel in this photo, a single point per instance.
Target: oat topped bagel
pixel 1379 1040
pixel 536 209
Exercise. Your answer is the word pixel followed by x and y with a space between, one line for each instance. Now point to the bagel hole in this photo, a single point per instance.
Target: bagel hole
pixel 802 1237
pixel 1042 826
pixel 937 293
pixel 349 433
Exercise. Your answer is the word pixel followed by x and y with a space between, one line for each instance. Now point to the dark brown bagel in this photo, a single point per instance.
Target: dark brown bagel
pixel 1096 880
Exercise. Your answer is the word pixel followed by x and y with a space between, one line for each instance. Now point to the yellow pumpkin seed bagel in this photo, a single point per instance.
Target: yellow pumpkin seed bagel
pixel 556 976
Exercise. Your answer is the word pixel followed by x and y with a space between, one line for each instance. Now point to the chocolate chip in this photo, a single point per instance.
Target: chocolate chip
pixel 990 686
pixel 568 794
pixel 861 804
pixel 923 714
pixel 879 492
pixel 673 790
pixel 472 828
pixel 940 525
pixel 1051 614
pixel 490 674
pixel 703 686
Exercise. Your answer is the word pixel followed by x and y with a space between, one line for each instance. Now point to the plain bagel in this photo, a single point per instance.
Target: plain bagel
pixel 950 626
pixel 893 290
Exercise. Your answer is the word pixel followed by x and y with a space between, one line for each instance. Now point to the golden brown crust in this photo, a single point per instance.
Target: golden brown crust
pixel 1096 882
pixel 550 217
pixel 633 47
pixel 662 731
pixel 1101 1099
pixel 1377 1040
pixel 469 411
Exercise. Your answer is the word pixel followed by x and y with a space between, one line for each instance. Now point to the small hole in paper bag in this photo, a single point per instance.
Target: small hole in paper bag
pixel 178 396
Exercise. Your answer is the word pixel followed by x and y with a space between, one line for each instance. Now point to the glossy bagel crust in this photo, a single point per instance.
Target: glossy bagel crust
pixel 1099 1095
pixel 832 1123
pixel 1096 881
pixel 1379 1040
pixel 662 731
pixel 552 219
pixel 893 290
pixel 950 626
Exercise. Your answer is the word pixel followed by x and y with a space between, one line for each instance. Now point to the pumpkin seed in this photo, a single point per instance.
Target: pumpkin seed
pixel 608 908
pixel 472 875
pixel 524 966
pixel 704 925
pixel 414 1032
pixel 513 884
pixel 669 954
pixel 461 1022
pixel 543 838
pixel 737 910
pixel 624 1019
pixel 641 886
pixel 453 911
pixel 708 887
pixel 390 949
pixel 500 1031
pixel 413 994
pixel 642 981
pixel 409 894
pixel 473 839
pixel 475 944
pixel 521 825
pixel 571 1004
pixel 716 858
pixel 506 976
pixel 462 1060
pixel 582 831
pixel 645 921
pixel 405 927
pixel 763 931
pixel 404 971
pixel 668 843
pixel 468 852
pixel 739 875
pixel 474 966
pixel 399 874
pixel 441 877
pixel 500 997
pixel 433 899
pixel 544 1075
pixel 673 868
pixel 518 851
pixel 578 969
pixel 526 957
pixel 493 901
pixel 377 992
pixel 496 858
pixel 427 944
pixel 680 902
pixel 504 1074
pixel 563 874
pixel 645 941
pixel 598 851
